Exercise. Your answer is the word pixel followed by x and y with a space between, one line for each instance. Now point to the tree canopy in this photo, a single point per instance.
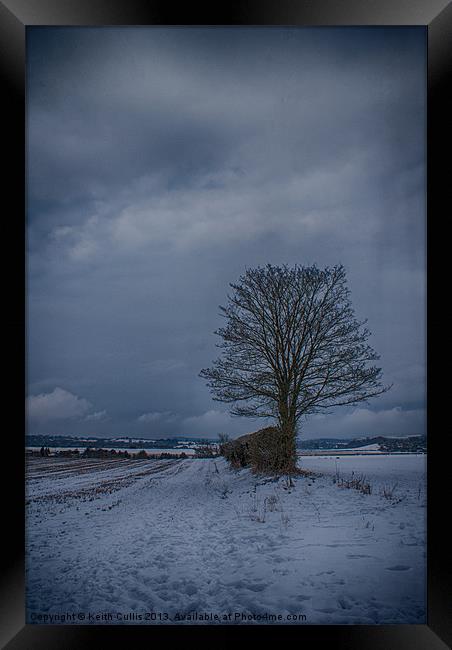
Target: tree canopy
pixel 292 346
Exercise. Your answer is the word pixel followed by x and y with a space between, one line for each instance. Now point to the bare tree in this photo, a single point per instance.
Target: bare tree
pixel 292 347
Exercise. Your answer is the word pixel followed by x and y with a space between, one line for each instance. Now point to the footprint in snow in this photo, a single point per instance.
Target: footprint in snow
pixel 344 603
pixel 255 587
pixel 398 567
pixel 281 572
pixel 325 610
pixel 240 584
pixel 159 579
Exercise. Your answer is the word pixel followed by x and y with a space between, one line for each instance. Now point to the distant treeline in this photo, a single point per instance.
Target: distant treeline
pixel 106 443
pixel 203 451
pixel 102 453
pixel 413 444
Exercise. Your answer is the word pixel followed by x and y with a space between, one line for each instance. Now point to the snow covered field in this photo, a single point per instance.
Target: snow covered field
pixel 174 541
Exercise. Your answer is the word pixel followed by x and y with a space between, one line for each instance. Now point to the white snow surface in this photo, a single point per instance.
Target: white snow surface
pixel 164 540
pixel 373 447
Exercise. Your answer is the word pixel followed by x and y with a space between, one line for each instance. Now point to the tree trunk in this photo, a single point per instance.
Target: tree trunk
pixel 286 463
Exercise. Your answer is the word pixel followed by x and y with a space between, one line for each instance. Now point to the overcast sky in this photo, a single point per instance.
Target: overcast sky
pixel 162 161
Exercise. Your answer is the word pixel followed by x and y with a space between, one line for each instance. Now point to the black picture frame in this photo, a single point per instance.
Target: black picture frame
pixel 15 17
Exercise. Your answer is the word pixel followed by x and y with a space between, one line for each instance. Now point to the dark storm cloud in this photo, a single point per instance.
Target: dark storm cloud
pixel 161 162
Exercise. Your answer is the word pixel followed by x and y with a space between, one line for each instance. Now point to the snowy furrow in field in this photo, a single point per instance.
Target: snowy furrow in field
pixel 194 535
pixel 54 479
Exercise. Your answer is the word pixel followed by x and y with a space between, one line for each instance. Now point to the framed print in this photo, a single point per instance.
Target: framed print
pixel 224 223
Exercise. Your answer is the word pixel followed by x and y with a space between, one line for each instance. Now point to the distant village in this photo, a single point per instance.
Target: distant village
pixel 176 448
pixel 409 444
pixel 97 452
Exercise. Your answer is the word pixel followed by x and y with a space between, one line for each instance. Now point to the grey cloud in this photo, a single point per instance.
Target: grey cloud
pixel 97 416
pixel 213 422
pixel 362 421
pixel 60 404
pixel 155 416
pixel 162 162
